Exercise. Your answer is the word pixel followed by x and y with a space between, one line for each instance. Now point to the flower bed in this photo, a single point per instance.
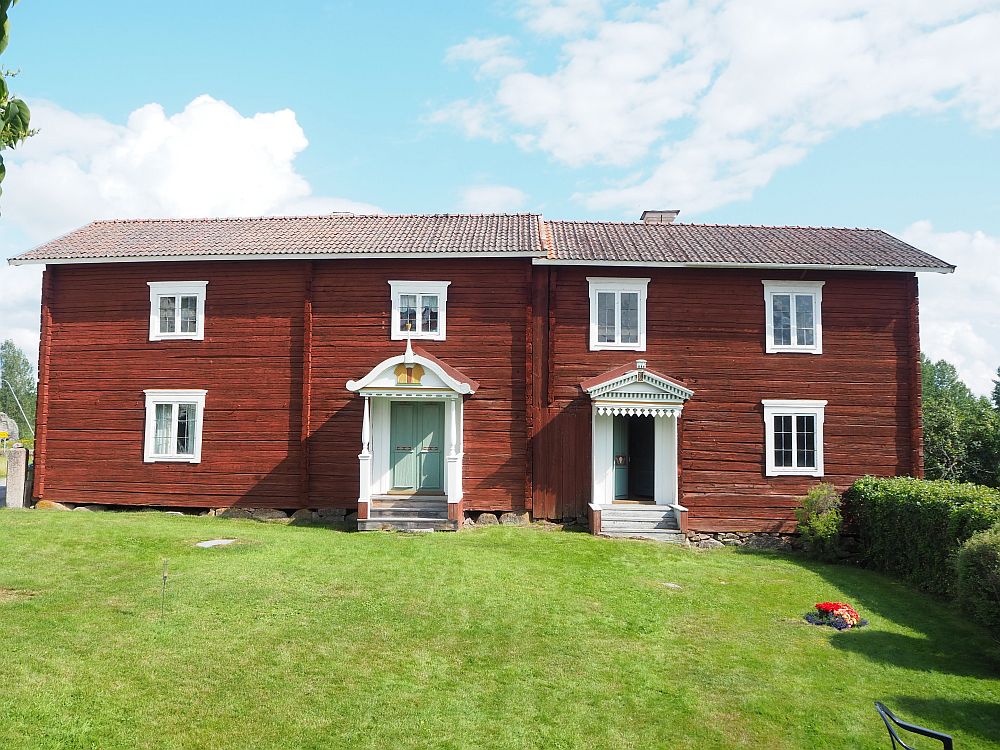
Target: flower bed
pixel 837 615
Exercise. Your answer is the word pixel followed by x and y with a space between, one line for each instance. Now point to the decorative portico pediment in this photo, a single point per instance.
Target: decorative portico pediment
pixel 415 372
pixel 635 390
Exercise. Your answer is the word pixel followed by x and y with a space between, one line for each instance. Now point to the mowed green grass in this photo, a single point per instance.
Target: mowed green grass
pixel 300 637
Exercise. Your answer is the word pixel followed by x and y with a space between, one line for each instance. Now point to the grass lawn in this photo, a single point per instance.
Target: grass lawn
pixel 301 637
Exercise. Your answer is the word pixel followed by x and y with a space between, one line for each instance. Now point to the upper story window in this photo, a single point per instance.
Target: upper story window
pixel 794 316
pixel 617 313
pixel 418 309
pixel 173 425
pixel 177 310
pixel 793 437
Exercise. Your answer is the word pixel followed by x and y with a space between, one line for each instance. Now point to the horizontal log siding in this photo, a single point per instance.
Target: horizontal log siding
pixel 101 360
pixel 485 340
pixel 707 328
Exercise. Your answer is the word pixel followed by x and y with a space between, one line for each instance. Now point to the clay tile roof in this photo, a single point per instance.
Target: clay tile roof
pixel 470 235
pixel 712 244
pixel 297 236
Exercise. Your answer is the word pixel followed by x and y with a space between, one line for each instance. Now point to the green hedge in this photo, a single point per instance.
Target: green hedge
pixel 913 528
pixel 979 577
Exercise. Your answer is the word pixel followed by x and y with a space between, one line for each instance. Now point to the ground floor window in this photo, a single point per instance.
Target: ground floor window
pixel 173 425
pixel 793 437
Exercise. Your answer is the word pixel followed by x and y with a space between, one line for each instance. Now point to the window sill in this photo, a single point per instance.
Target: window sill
pixel 177 337
pixel 608 347
pixel 792 350
pixel 793 473
pixel 172 459
pixel 402 336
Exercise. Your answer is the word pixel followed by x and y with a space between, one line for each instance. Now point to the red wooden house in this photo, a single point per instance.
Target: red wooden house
pixel 658 376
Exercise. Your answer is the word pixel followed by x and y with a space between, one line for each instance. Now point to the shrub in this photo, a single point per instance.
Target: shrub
pixel 978 569
pixel 819 520
pixel 913 528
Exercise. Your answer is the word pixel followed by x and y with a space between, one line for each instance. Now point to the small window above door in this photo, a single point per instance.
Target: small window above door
pixel 419 309
pixel 177 310
pixel 617 314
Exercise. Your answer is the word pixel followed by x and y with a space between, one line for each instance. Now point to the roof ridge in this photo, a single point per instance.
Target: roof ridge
pixel 675 224
pixel 299 217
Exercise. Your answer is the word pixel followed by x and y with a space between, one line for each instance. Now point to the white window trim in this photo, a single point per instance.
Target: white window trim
pixel 793 408
pixel 399 288
pixel 157 396
pixel 601 284
pixel 159 289
pixel 815 288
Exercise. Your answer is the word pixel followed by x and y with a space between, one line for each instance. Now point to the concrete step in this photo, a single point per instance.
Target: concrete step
pixel 409 512
pixel 659 535
pixel 639 517
pixel 392 523
pixel 669 524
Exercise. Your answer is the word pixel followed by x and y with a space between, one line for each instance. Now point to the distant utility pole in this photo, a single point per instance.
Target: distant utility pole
pixel 18 402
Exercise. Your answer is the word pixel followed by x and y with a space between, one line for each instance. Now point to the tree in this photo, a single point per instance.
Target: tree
pixel 17 374
pixel 961 430
pixel 996 391
pixel 15 117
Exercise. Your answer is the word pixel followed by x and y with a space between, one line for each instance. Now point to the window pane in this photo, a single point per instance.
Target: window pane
pixel 606 317
pixel 168 306
pixel 429 313
pixel 630 318
pixel 781 305
pixel 161 438
pixel 805 328
pixel 783 441
pixel 189 314
pixel 805 426
pixel 408 312
pixel 185 429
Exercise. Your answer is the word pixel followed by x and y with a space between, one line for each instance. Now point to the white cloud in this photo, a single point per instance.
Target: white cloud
pixel 207 160
pixel 960 312
pixel 475 119
pixel 702 102
pixel 491 54
pixel 492 198
pixel 560 17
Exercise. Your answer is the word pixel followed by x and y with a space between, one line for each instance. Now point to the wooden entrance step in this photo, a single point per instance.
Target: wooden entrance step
pixel 408 513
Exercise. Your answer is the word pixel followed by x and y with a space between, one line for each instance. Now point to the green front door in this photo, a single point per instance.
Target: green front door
pixel 416 437
pixel 621 457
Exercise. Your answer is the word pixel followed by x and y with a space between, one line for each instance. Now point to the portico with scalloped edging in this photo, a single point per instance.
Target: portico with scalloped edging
pixel 617 397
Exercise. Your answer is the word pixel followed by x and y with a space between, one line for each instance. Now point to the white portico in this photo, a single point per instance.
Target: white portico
pixel 411 430
pixel 635 415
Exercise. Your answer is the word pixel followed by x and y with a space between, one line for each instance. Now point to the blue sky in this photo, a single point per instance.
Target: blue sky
pixel 812 112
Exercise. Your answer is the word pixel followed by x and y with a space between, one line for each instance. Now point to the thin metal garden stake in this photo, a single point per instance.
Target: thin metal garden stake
pixel 163 588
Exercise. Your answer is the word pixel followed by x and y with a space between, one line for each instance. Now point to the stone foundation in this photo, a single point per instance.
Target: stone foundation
pixel 749 539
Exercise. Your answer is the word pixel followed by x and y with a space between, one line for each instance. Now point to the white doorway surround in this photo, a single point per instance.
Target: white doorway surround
pixel 414 375
pixel 634 390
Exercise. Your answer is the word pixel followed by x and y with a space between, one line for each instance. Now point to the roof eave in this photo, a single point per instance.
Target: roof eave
pixel 787 266
pixel 21 260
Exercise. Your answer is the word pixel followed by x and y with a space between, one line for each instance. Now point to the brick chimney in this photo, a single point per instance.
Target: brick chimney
pixel 659 217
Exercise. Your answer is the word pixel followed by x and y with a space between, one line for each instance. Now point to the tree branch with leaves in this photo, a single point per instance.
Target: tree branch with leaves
pixel 15 117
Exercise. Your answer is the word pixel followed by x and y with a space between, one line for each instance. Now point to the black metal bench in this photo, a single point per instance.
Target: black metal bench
pixel 889 718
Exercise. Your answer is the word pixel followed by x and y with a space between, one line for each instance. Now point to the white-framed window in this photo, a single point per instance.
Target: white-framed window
pixel 793 437
pixel 177 310
pixel 419 309
pixel 618 314
pixel 173 425
pixel 794 311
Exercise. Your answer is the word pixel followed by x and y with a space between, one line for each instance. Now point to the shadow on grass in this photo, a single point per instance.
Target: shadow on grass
pixel 979 718
pixel 945 642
